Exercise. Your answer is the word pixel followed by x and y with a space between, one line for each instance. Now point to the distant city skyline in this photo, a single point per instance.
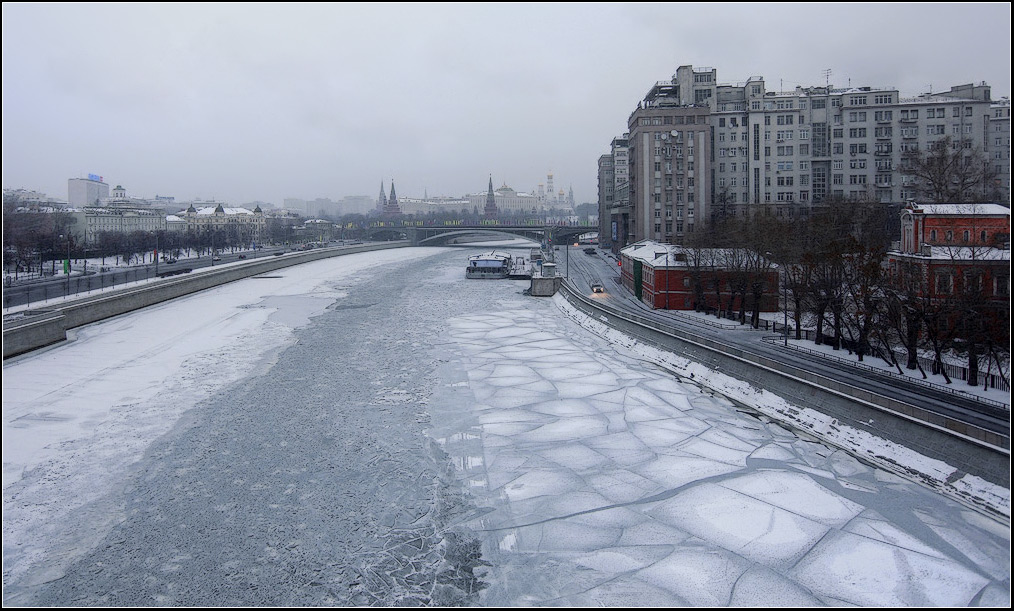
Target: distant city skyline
pixel 67 196
pixel 275 101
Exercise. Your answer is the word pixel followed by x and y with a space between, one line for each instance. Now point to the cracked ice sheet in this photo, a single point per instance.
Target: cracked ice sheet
pixel 633 483
pixel 865 572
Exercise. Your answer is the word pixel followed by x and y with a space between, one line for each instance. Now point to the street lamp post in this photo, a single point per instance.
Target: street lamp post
pixel 568 259
pixel 67 265
pixel 784 278
pixel 785 305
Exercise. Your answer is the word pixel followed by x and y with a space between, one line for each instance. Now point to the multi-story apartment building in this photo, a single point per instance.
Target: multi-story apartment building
pixel 620 224
pixel 606 191
pixel 783 152
pixel 999 147
pixel 669 148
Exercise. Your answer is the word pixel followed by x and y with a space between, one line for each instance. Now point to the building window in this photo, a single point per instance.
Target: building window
pixel 945 283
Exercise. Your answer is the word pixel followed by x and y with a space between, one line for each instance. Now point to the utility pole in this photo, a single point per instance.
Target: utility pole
pixel 667 272
pixel 785 305
pixel 66 267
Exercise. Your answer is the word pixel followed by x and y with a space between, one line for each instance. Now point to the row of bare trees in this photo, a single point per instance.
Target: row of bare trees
pixel 35 239
pixel 32 239
pixel 835 279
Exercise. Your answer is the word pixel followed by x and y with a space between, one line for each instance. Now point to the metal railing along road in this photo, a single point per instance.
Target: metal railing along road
pixel 1003 408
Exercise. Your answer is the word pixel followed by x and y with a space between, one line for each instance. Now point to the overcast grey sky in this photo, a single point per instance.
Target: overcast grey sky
pixel 246 102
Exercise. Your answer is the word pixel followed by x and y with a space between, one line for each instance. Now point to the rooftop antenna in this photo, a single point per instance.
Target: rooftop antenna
pixel 827 76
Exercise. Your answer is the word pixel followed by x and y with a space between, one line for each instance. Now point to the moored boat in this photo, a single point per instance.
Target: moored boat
pixel 489 265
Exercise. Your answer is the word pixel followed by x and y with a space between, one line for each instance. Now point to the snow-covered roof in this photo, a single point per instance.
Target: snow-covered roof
pixel 965 253
pixel 172 218
pixel 492 255
pixel 960 209
pixel 210 210
pixel 641 250
pixel 654 255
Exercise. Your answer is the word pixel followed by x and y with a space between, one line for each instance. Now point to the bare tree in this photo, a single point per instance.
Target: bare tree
pixel 32 233
pixel 981 318
pixel 864 275
pixel 907 306
pixel 950 171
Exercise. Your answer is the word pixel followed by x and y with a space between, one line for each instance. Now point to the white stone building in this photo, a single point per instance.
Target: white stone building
pixel 508 201
pixel 247 223
pixel 89 191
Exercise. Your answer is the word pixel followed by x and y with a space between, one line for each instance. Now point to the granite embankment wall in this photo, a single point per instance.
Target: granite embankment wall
pixel 42 327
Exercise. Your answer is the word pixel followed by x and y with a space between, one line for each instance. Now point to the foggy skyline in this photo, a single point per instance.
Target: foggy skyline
pixel 312 101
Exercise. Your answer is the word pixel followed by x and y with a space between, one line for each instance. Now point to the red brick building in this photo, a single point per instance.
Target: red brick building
pixel 945 246
pixel 962 225
pixel 671 277
pixel 958 252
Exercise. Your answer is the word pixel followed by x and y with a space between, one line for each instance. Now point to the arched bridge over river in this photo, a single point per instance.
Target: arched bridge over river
pixel 440 235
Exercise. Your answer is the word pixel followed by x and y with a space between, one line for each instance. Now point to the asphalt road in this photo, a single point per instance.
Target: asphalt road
pixel 41 290
pixel 583 268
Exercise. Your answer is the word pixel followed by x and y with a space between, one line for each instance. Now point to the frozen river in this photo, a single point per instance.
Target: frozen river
pixel 377 430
